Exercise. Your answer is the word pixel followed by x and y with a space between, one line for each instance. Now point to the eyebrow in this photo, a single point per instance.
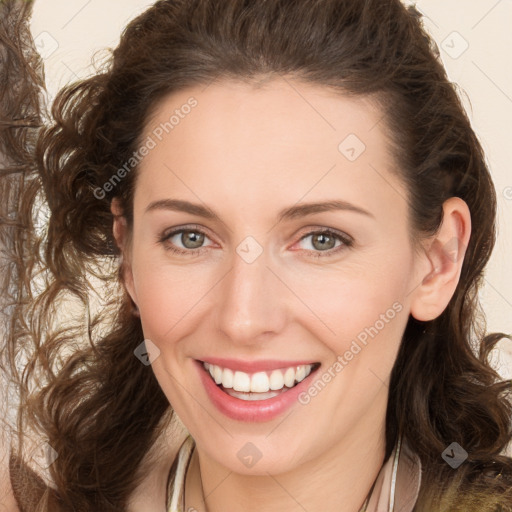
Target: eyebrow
pixel 292 212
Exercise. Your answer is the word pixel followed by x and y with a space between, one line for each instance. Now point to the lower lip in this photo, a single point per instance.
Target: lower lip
pixel 250 410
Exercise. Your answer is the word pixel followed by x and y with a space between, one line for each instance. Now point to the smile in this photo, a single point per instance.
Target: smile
pixel 260 385
pixel 257 395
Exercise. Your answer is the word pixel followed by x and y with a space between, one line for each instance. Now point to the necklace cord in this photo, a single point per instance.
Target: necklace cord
pixel 365 504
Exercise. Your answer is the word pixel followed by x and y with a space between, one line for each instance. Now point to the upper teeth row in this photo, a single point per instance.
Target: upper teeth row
pixel 259 382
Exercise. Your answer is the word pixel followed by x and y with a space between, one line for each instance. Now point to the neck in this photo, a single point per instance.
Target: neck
pixel 340 479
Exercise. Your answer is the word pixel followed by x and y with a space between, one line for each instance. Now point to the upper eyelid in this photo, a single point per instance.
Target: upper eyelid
pixel 319 229
pixel 174 231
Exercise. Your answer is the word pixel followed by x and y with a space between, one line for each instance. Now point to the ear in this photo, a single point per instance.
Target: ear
pixel 122 238
pixel 441 264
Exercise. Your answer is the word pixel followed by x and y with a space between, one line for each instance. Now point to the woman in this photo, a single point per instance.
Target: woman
pixel 299 214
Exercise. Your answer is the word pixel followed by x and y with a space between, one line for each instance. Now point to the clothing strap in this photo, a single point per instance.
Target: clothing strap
pixel 178 487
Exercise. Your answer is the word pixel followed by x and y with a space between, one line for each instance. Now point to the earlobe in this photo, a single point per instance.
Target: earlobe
pixel 442 261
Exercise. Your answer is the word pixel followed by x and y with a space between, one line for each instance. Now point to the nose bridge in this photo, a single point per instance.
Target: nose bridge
pixel 251 297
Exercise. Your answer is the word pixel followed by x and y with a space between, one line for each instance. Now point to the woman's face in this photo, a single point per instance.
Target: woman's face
pixel 260 282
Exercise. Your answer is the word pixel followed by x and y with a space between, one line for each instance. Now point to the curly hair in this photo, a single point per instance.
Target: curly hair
pixel 21 80
pixel 81 387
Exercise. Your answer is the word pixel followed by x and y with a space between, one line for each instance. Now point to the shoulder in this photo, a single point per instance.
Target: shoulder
pixel 26 487
pixel 7 500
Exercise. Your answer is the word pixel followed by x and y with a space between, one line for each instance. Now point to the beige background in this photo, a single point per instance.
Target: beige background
pixel 476 44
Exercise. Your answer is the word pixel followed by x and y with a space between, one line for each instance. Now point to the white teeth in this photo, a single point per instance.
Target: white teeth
pixel 241 381
pixel 253 396
pixel 259 382
pixel 289 377
pixel 227 378
pixel 217 374
pixel 276 380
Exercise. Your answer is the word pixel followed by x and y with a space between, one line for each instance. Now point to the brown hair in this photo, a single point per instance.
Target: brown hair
pixel 102 410
pixel 21 79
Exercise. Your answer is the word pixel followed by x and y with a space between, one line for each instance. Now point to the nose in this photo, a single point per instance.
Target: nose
pixel 251 305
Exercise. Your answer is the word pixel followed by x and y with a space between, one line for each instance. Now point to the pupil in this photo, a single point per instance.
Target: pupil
pixel 323 237
pixel 192 239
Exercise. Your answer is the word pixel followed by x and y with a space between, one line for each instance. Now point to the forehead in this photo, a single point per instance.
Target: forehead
pixel 283 141
pixel 281 113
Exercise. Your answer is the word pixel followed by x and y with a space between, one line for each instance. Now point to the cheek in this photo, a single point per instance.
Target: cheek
pixel 168 295
pixel 363 307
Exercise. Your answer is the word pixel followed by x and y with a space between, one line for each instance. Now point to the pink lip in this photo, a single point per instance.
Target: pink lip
pixel 253 366
pixel 251 411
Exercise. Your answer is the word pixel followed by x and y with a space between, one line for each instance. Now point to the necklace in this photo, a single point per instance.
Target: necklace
pixel 184 457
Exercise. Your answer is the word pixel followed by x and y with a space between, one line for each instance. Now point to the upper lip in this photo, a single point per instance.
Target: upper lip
pixel 254 366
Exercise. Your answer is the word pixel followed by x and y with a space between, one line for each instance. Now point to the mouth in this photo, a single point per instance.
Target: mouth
pixel 260 385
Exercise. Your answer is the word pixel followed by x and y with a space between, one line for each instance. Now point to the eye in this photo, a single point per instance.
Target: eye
pixel 187 241
pixel 326 242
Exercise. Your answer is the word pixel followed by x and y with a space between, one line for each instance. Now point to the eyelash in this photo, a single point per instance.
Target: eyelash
pixel 347 242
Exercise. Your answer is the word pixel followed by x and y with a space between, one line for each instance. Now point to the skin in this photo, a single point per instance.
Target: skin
pixel 247 153
pixel 7 500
